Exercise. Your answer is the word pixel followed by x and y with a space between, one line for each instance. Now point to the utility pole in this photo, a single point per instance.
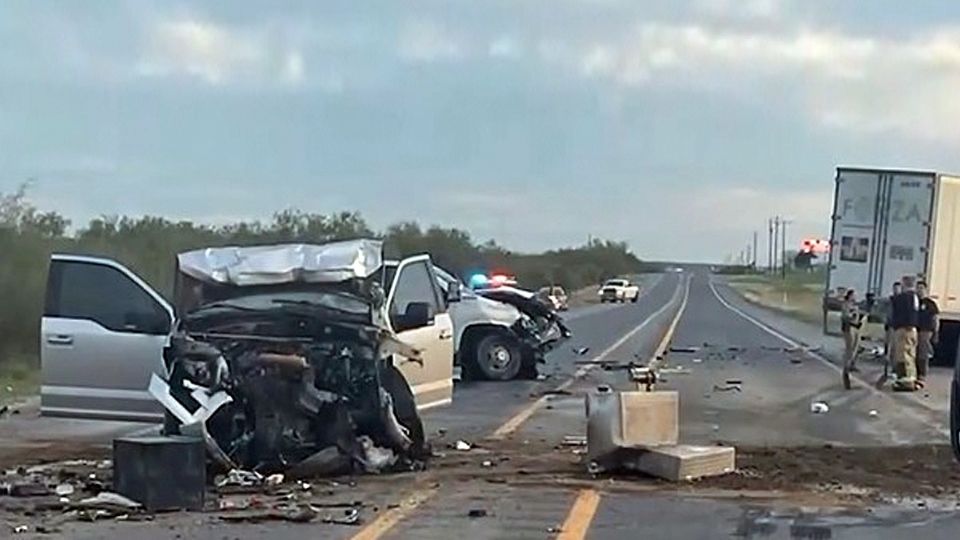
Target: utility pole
pixel 754 251
pixel 784 223
pixel 770 246
pixel 776 240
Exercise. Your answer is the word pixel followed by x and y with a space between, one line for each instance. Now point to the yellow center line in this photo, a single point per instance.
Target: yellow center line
pixel 387 520
pixel 580 516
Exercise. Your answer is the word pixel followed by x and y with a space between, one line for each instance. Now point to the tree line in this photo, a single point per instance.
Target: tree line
pixel 148 245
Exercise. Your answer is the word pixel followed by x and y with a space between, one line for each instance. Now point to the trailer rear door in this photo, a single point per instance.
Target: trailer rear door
pixel 855 230
pixel 905 229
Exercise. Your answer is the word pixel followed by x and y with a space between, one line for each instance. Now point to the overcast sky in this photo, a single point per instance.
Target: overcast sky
pixel 676 126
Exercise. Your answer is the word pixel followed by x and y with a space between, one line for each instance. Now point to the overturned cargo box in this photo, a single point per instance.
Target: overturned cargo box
pixel 291 352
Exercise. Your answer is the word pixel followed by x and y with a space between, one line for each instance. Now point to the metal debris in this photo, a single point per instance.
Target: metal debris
pixel 241 478
pixel 819 407
pixel 108 500
pixel 273 480
pixel 350 517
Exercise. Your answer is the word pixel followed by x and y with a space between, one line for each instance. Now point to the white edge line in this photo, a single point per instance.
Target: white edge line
pixel 766 328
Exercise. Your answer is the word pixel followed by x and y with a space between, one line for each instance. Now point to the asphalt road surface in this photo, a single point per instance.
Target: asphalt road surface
pixel 740 383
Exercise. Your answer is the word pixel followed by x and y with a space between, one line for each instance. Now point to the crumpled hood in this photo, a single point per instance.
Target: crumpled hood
pixel 284 263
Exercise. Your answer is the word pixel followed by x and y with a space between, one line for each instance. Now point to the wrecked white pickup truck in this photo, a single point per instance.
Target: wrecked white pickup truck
pixel 501 333
pixel 281 357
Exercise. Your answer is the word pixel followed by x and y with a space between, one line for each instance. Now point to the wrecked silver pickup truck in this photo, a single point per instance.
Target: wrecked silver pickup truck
pixel 280 357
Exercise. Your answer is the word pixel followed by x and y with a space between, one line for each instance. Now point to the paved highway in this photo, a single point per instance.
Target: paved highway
pixel 520 482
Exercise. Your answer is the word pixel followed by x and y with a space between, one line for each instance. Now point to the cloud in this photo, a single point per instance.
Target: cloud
pixel 218 54
pixel 428 41
pixel 741 9
pixel 505 47
pixel 838 80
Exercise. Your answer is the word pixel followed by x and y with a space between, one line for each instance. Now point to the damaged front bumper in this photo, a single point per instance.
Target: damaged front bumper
pixel 315 406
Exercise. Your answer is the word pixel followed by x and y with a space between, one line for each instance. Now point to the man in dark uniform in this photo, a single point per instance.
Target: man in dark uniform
pixel 904 320
pixel 927 327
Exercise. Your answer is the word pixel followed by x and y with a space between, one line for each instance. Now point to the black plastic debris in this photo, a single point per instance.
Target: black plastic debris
pixel 684 349
pixel 161 473
pixel 29 490
pixel 477 513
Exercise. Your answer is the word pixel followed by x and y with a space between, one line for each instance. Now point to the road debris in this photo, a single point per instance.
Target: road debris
pixel 350 517
pixel 477 513
pixel 487 464
pixel 574 440
pixel 107 500
pixel 29 490
pixel 273 480
pixel 64 490
pixel 873 412
pixel 21 529
pixel 727 388
pixel 462 446
pixel 697 360
pixel 684 349
pixel 819 407
pixel 241 478
pixel 580 351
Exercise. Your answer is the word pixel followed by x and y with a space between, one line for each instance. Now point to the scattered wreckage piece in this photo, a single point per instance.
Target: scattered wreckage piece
pixel 677 463
pixel 637 419
pixel 639 431
pixel 162 473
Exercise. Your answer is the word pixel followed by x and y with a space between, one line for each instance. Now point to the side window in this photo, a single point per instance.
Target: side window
pixel 414 284
pixel 104 295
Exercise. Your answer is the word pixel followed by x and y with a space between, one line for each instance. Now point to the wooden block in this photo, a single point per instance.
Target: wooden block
pixel 617 420
pixel 683 462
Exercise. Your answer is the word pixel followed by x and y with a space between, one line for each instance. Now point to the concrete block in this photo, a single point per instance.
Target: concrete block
pixel 682 462
pixel 617 420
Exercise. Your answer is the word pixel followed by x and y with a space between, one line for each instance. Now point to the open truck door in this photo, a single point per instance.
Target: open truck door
pixel 418 315
pixel 101 337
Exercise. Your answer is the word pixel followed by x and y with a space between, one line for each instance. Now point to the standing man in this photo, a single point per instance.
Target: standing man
pixel 888 326
pixel 905 318
pixel 850 325
pixel 927 326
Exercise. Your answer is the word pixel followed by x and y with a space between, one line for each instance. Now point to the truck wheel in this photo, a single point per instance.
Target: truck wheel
pixel 498 357
pixel 635 298
pixel 405 408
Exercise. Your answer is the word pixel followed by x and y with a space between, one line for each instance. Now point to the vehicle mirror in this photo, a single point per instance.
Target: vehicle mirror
pixel 417 314
pixel 453 293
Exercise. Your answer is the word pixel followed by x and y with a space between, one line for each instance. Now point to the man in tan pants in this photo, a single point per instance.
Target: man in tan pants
pixel 904 320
